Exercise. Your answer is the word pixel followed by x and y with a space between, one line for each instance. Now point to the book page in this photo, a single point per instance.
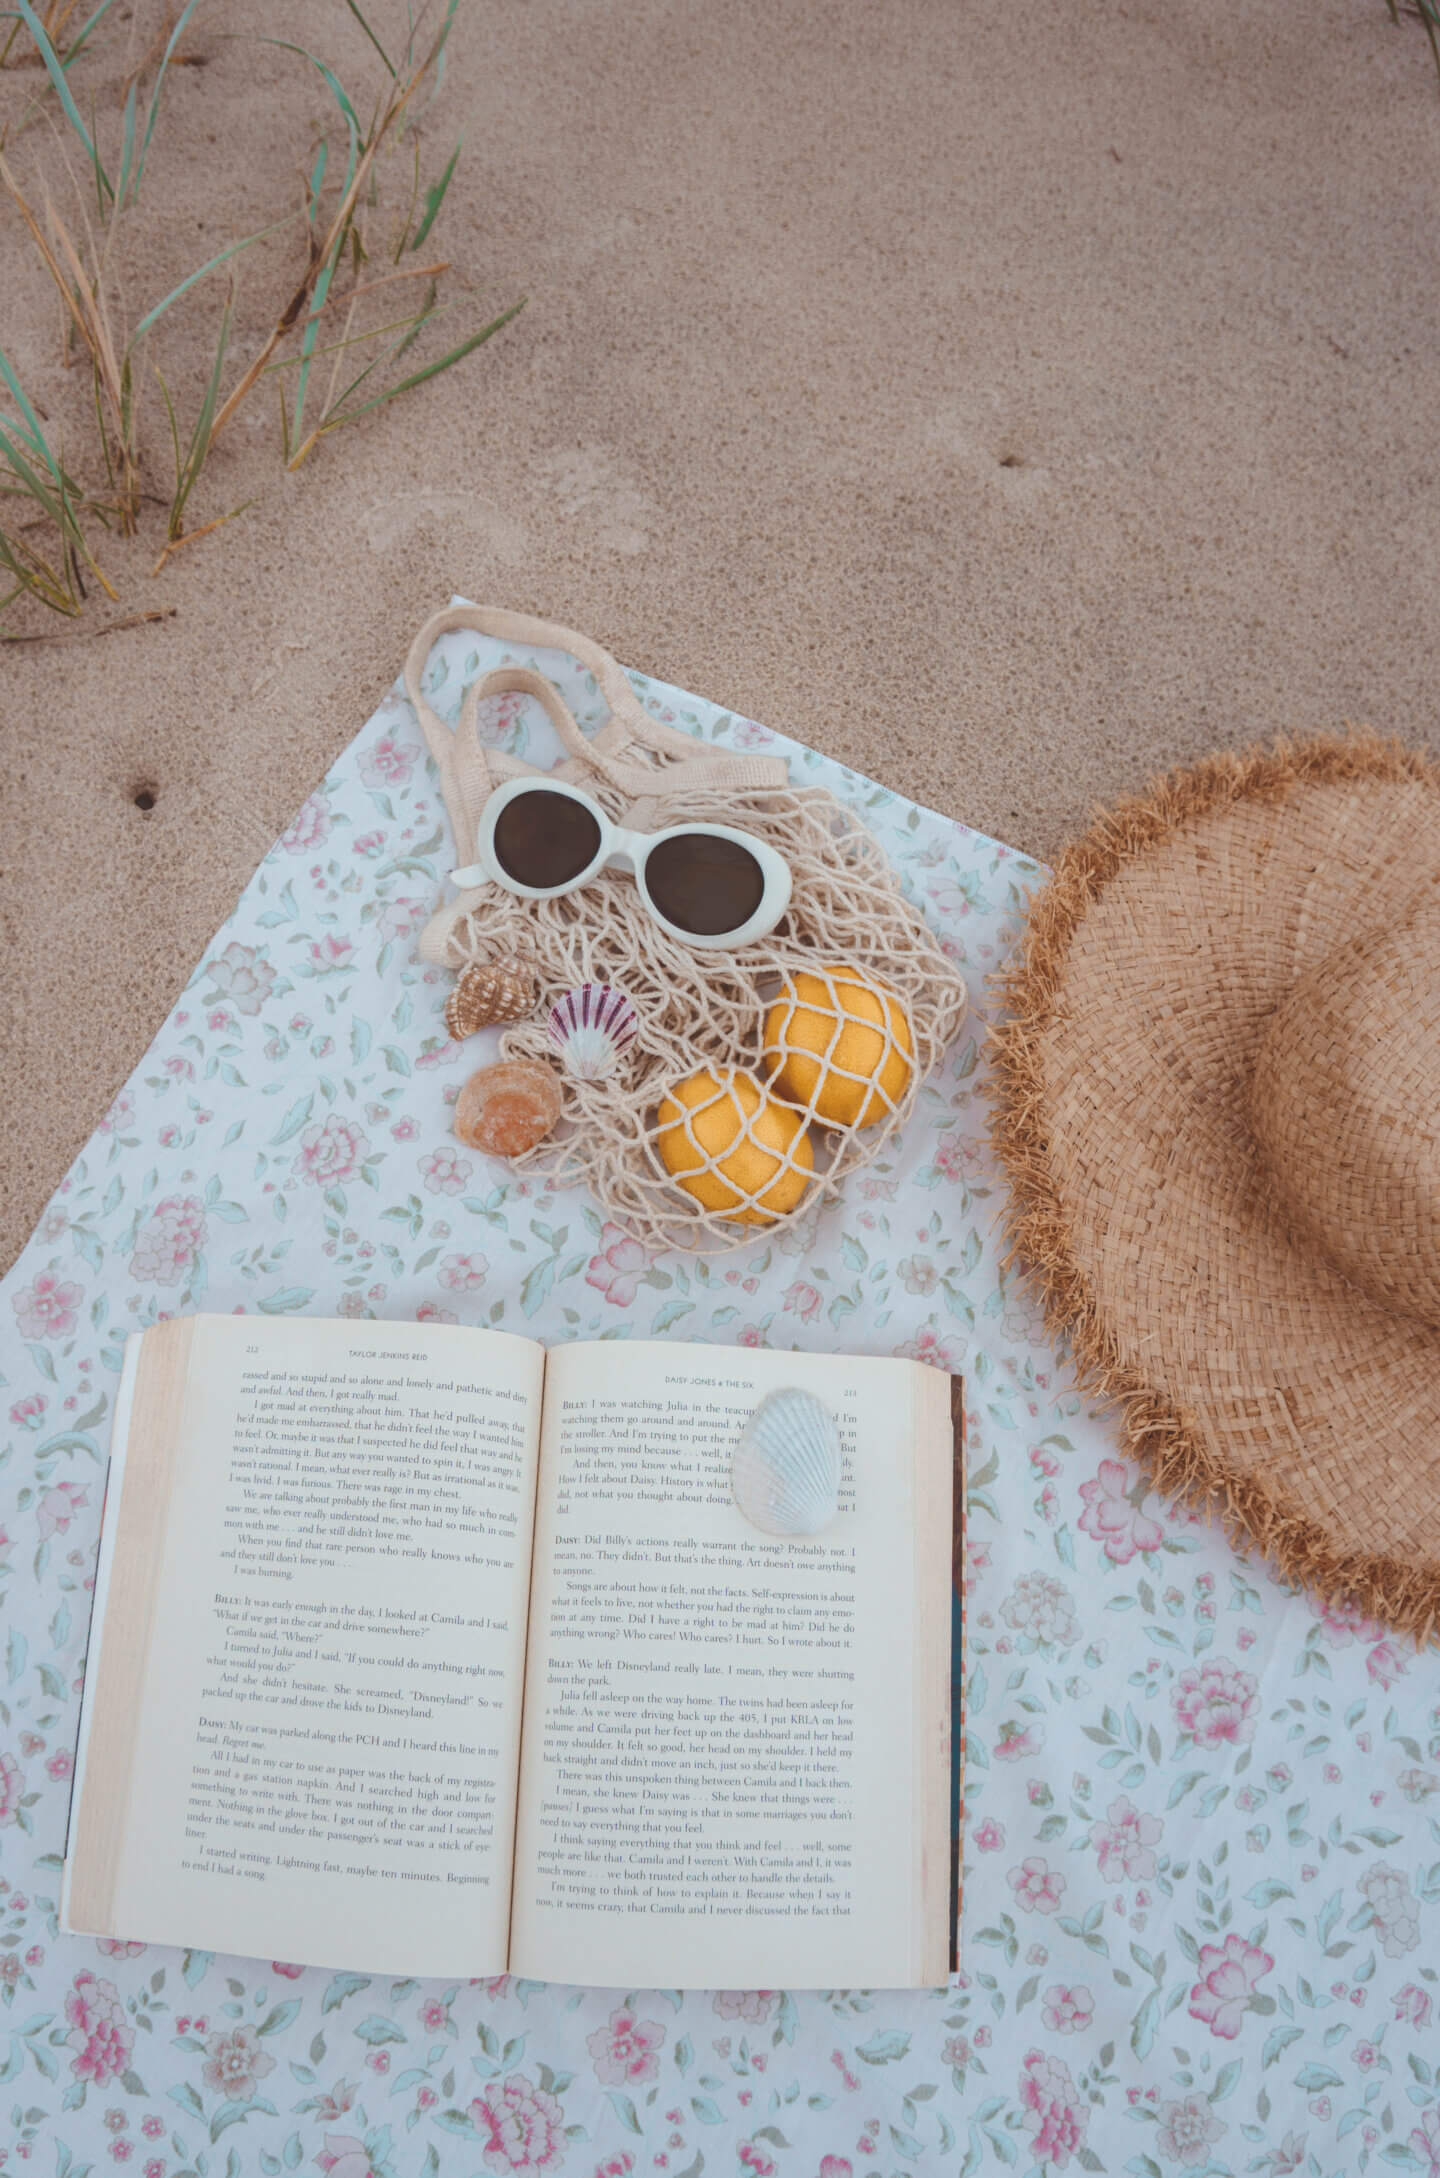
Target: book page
pixel 302 1720
pixel 735 1763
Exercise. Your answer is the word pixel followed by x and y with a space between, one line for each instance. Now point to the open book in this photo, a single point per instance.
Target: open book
pixel 424 1651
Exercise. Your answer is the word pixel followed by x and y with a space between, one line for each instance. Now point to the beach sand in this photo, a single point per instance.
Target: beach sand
pixel 1009 402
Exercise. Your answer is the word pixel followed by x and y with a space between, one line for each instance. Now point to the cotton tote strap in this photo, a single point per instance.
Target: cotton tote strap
pixel 632 751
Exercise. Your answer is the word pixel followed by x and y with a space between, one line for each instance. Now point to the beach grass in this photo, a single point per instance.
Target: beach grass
pixel 331 359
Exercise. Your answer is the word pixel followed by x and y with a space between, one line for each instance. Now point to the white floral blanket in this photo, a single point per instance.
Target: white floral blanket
pixel 1202 1849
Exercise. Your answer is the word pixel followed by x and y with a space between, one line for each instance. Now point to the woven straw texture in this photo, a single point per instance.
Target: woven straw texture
pixel 696 1010
pixel 1173 940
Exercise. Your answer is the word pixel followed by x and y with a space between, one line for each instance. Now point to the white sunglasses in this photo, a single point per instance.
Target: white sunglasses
pixel 707 884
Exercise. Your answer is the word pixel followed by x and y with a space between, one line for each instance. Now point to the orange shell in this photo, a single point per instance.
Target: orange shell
pixel 505 1110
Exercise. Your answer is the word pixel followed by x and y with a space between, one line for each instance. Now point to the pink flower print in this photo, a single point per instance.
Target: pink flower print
pixel 1017 1740
pixel 834 2166
pixel 626 2048
pixel 753 2005
pixel 379 2060
pixel 235 2063
pixel 331 955
pixel 1038 1887
pixel 99 2032
pixel 332 1153
pixel 434 2014
pixel 618 2165
pixel 1424 2142
pixel 1111 1518
pixel 1365 2054
pixel 12 1785
pixel 445 1172
pixel 748 735
pixel 28 1413
pixel 1068 2011
pixel 243 975
pixel 918 1274
pixel 1413 2005
pixel 1051 2109
pixel 959 1156
pixel 334 2105
pixel 152 2127
pixel 1216 1703
pixel 59 1765
pixel 617 1269
pixel 170 1241
pixel 989 1836
pixel 1042 1608
pixel 804 1302
pixel 285 1967
pixel 432 1312
pixel 928 1346
pixel 750 1334
pixel 343 2156
pixel 155 2168
pixel 1186 2130
pixel 1229 1975
pixel 118 1947
pixel 122 2150
pixel 402 918
pixel 1341 1623
pixel 389 763
pixel 309 826
pixel 1385 1663
pixel 116 2121
pixel 46 1308
pixel 56 1507
pixel 522 2126
pixel 463 1273
pixel 405 1130
pixel 1123 1842
pixel 753 2157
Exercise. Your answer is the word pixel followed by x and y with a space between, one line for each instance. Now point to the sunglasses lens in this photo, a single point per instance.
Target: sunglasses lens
pixel 544 839
pixel 705 885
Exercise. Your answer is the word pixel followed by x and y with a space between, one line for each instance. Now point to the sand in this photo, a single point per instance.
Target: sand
pixel 1010 402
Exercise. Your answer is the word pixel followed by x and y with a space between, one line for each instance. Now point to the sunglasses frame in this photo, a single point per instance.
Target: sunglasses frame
pixel 629 851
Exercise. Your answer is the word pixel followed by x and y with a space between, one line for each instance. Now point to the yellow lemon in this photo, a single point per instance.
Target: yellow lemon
pixel 727 1144
pixel 839 1045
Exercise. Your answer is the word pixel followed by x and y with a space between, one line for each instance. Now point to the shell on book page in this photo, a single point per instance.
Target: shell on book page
pixel 785 1475
pixel 592 1025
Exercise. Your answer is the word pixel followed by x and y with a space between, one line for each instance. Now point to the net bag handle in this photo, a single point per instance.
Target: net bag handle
pixel 631 752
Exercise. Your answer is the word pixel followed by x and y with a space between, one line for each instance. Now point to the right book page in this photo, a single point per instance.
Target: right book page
pixel 735 1763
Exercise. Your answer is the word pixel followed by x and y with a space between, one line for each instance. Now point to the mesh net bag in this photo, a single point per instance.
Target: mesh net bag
pixel 755 1080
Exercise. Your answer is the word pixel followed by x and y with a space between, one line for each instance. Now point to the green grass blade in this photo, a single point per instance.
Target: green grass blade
pixel 38 442
pixel 200 437
pixel 435 197
pixel 337 92
pixel 159 84
pixel 211 265
pixel 312 329
pixel 350 4
pixel 57 77
pixel 127 149
pixel 77 43
pixel 433 370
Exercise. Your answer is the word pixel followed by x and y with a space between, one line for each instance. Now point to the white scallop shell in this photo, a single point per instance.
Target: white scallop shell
pixel 592 1025
pixel 785 1475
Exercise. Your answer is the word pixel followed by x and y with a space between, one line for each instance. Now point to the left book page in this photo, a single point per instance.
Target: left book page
pixel 301 1723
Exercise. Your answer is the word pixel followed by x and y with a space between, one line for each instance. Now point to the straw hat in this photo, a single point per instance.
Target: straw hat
pixel 1218 1092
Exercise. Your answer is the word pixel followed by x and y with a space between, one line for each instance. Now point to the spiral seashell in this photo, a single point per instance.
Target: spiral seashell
pixel 489 991
pixel 785 1474
pixel 592 1025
